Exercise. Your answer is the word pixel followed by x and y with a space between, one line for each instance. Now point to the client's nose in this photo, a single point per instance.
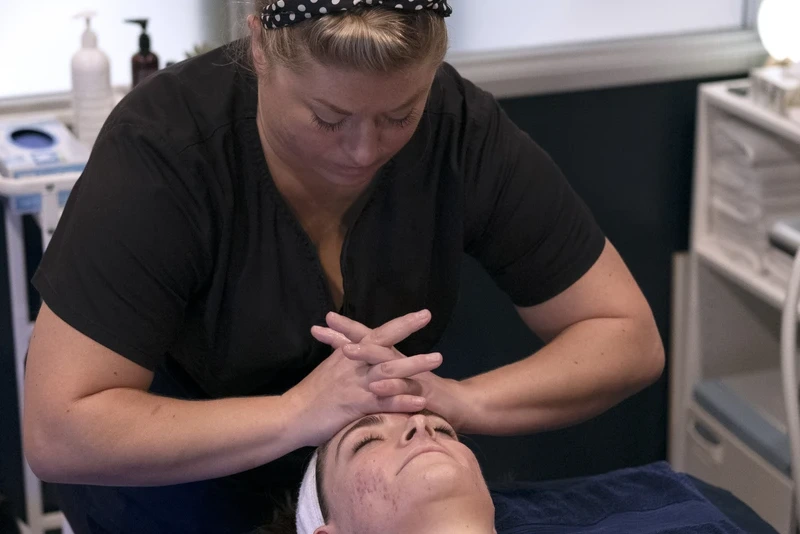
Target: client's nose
pixel 419 426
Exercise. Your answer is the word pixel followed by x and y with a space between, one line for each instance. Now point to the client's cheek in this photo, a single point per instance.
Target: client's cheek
pixel 370 493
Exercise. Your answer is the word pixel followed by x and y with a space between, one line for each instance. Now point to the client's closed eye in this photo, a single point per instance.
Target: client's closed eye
pixel 447 430
pixel 364 441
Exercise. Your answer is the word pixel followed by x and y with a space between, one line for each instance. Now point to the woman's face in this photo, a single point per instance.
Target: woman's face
pixel 336 125
pixel 386 473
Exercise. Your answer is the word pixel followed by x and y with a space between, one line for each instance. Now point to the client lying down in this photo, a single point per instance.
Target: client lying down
pixel 400 473
pixel 409 474
pixel 394 473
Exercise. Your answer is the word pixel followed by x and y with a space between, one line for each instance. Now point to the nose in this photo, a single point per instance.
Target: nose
pixel 418 427
pixel 363 145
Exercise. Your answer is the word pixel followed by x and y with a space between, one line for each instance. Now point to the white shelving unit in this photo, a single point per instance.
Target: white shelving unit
pixel 726 320
pixel 38 522
pixel 48 186
pixel 33 108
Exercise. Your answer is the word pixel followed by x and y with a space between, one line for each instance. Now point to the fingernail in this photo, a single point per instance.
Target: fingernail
pixel 422 314
pixel 434 358
pixel 418 401
pixel 352 349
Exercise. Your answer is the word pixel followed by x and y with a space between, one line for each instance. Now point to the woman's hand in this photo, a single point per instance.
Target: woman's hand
pixel 446 397
pixel 337 391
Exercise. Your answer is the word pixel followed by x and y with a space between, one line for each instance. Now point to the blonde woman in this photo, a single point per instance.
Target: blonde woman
pixel 173 384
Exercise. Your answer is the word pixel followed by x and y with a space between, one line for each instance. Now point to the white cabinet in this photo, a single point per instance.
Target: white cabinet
pixel 726 317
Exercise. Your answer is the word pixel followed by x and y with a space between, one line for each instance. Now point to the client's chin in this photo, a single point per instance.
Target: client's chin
pixel 445 495
pixel 438 475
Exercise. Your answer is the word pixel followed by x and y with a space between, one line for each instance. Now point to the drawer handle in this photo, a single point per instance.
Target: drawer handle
pixel 706 439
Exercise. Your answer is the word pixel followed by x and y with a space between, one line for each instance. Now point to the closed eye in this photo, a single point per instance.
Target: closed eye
pixel 325 125
pixel 446 430
pixel 405 121
pixel 365 441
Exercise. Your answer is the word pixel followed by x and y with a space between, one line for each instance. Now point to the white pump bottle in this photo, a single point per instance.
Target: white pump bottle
pixel 91 85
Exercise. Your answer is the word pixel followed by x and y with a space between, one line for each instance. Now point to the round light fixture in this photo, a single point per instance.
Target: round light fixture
pixel 779 28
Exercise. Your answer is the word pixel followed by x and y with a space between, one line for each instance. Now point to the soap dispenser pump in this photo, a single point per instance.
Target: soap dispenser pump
pixel 144 62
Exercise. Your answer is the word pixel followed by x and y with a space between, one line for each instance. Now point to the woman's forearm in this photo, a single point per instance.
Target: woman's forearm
pixel 588 368
pixel 129 437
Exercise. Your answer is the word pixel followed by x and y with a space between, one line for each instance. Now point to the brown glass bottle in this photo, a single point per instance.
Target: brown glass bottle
pixel 144 62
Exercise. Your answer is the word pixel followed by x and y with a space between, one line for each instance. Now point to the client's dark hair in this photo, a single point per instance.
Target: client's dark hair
pixel 283 518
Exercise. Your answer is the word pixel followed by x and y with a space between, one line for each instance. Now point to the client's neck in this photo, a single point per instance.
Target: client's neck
pixel 460 517
pixel 459 526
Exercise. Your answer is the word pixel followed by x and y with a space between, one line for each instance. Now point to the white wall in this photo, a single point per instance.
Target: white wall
pixel 38 37
pixel 526 23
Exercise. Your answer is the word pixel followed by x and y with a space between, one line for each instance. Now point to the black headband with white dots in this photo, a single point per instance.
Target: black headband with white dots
pixel 281 13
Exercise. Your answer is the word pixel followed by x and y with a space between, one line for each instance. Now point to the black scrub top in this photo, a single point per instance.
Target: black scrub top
pixel 177 251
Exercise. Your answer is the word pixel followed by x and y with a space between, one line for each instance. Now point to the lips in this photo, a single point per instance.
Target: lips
pixel 421 450
pixel 354 171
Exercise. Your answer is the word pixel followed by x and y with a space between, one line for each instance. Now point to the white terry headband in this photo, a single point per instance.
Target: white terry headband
pixel 309 514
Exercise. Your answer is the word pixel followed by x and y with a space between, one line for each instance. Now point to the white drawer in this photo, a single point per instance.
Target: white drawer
pixel 717 457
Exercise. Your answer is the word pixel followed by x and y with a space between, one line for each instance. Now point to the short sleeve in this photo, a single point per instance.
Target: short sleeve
pixel 131 248
pixel 524 222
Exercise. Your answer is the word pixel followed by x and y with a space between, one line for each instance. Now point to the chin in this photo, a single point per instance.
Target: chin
pixel 439 477
pixel 439 486
pixel 443 469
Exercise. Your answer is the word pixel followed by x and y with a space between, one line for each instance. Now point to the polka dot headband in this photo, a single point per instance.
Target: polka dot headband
pixel 282 13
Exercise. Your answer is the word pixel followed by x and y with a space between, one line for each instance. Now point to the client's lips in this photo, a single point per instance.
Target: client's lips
pixel 421 450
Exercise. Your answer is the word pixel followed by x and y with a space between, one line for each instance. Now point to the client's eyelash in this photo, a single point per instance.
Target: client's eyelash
pixel 446 430
pixel 370 438
pixel 364 441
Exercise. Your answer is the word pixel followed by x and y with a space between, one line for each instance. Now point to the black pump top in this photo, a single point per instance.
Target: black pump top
pixel 144 39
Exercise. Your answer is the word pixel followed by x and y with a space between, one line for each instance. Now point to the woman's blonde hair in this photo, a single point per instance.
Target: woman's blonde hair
pixel 370 39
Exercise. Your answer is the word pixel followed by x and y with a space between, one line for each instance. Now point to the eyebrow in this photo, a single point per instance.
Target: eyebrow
pixel 341 111
pixel 370 420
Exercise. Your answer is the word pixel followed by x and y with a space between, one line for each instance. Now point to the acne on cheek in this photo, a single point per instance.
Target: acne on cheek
pixel 368 488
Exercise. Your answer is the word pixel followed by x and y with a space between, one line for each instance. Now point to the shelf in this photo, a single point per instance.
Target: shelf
pixel 729 317
pixel 36 107
pixel 720 95
pixel 710 253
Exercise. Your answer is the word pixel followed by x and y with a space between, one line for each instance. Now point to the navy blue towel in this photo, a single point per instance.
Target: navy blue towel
pixel 652 499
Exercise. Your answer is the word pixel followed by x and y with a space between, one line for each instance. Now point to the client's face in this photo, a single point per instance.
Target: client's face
pixel 402 473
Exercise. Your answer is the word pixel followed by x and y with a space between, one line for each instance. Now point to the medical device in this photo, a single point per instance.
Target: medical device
pixel 30 151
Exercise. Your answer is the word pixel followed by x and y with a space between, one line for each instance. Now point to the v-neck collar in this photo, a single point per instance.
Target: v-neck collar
pixel 376 188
